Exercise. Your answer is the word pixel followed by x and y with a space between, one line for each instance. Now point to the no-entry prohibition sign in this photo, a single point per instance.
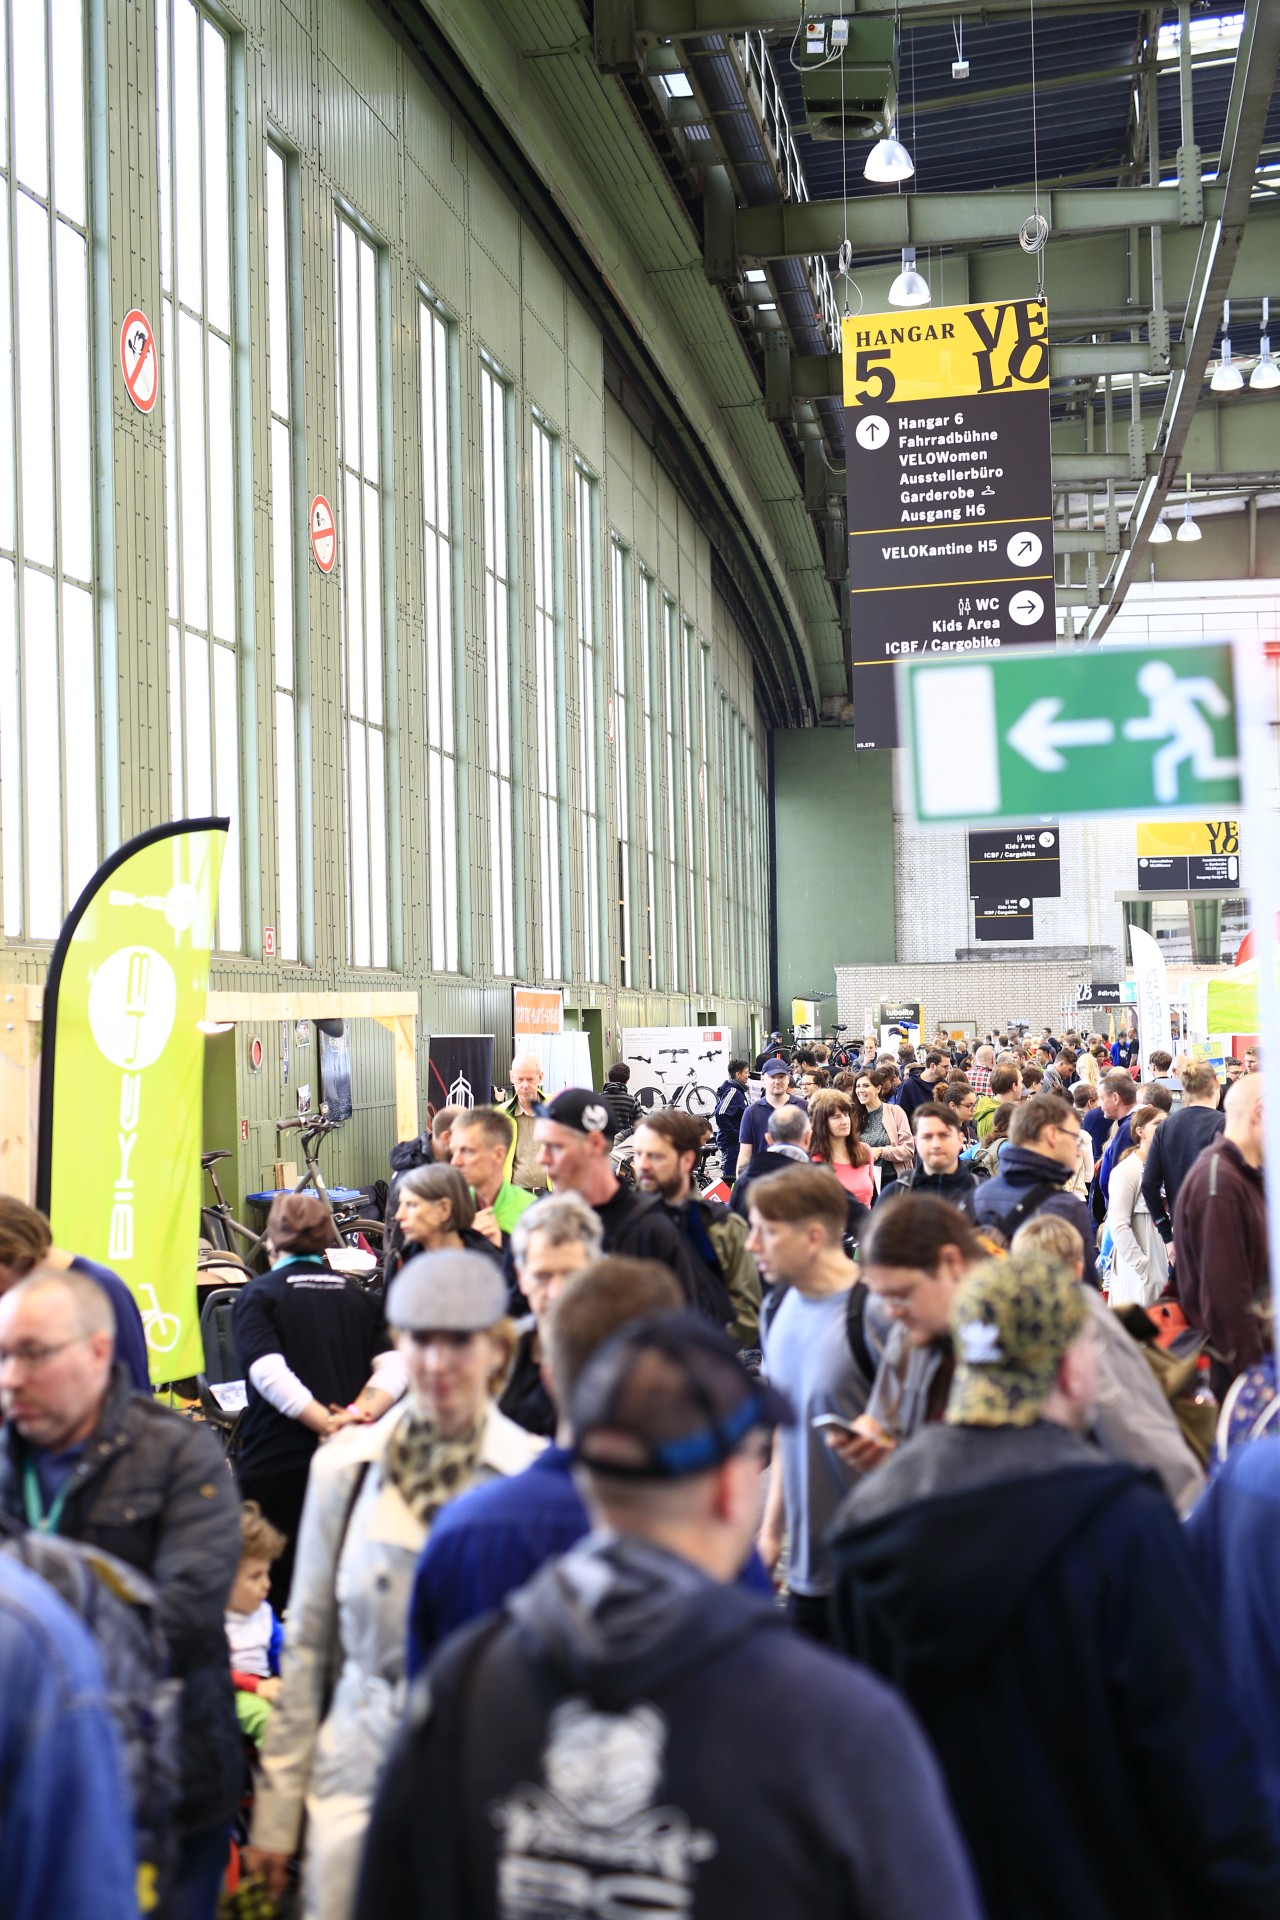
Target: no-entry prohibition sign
pixel 138 361
pixel 324 539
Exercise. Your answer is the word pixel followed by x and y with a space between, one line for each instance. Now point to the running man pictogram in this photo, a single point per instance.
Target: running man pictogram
pixel 1180 713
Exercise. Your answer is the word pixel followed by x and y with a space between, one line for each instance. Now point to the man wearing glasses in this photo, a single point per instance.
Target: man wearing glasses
pixel 1035 1168
pixel 84 1456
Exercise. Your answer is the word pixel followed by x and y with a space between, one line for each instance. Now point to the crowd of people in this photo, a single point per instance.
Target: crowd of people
pixel 929 1430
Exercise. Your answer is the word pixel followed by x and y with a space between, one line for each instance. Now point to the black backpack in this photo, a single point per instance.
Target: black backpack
pixel 1012 1218
pixel 117 1604
pixel 855 1325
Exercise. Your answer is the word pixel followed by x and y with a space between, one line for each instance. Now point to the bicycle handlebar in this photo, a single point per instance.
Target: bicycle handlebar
pixel 308 1123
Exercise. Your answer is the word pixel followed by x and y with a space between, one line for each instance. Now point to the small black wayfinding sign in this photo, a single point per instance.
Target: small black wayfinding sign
pixel 1010 917
pixel 1023 860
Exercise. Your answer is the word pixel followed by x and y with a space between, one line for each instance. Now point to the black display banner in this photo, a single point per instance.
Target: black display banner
pixel 1025 858
pixel 1098 993
pixel 949 491
pixel 1010 918
pixel 459 1070
pixel 1188 872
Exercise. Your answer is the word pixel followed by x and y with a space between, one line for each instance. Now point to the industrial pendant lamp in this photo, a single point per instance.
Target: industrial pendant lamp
pixel 888 162
pixel 909 289
pixel 1188 531
pixel 1266 374
pixel 1161 534
pixel 1226 377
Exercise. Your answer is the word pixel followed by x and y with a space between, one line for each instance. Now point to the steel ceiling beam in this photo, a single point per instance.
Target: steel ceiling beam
pixel 1251 88
pixel 619 23
pixel 884 222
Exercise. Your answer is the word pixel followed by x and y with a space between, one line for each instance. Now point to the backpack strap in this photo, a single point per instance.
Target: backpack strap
pixel 1032 1199
pixel 855 1327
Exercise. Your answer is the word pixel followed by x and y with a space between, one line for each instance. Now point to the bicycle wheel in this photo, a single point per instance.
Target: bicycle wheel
pixel 700 1102
pixel 650 1098
pixel 372 1230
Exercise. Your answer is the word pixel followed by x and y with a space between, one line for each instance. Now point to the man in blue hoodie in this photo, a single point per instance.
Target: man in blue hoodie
pixel 1035 1602
pixel 597 1747
pixel 494 1537
pixel 1235 1537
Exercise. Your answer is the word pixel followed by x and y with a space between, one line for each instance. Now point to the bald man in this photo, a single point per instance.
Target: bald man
pixel 1220 1238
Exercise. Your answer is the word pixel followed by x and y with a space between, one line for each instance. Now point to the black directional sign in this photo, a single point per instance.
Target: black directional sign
pixel 1019 859
pixel 950 497
pixel 1011 917
pixel 1188 856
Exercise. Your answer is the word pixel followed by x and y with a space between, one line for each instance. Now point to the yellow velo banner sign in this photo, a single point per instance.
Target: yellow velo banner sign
pixel 946 352
pixel 122 1076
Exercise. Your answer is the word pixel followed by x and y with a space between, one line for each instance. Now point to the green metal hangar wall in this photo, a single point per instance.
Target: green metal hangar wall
pixel 519 730
pixel 543 298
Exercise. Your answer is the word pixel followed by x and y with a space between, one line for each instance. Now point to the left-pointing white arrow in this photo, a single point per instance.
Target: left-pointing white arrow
pixel 1038 734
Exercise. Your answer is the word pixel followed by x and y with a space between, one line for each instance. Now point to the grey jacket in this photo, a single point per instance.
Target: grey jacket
pixel 154 1490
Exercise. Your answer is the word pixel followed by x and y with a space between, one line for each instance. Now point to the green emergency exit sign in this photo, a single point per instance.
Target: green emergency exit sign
pixel 1015 735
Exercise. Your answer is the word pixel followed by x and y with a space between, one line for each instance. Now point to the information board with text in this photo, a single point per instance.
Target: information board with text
pixel 950 496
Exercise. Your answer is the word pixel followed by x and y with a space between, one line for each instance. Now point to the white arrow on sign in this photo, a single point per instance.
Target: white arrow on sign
pixel 1039 733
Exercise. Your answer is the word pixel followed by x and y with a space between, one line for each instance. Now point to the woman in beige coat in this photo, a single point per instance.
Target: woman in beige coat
pixel 370 1501
pixel 884 1128
pixel 1140 1264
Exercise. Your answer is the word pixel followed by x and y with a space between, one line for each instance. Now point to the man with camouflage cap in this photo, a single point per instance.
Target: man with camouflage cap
pixel 1036 1605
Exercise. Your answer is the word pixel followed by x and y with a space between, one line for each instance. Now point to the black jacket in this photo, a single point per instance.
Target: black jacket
pixel 623 1106
pixel 955 1187
pixel 1174 1149
pixel 597 1748
pixel 154 1490
pixel 1026 1183
pixel 731 1104
pixel 1047 1626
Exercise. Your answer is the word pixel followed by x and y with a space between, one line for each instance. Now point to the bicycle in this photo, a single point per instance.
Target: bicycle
pixel 221 1227
pixel 840 1059
pixel 697 1099
pixel 313 1128
pixel 218 1223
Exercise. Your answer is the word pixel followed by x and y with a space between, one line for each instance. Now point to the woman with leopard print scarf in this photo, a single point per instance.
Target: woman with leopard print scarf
pixel 373 1494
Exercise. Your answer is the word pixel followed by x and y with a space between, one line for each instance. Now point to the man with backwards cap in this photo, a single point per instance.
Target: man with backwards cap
pixel 1036 1604
pixel 596 1747
pixel 573 1136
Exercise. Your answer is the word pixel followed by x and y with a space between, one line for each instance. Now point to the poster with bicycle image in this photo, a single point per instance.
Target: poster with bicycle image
pixel 677 1066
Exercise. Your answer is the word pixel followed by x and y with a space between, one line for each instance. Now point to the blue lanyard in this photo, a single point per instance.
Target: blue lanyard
pixel 33 1501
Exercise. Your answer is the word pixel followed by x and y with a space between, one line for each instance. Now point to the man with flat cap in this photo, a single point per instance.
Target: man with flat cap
pixel 1035 1603
pixel 633 1733
pixel 573 1137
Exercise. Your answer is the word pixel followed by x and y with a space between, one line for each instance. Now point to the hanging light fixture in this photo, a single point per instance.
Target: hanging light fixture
pixel 1188 531
pixel 1161 534
pixel 910 288
pixel 888 162
pixel 1266 374
pixel 1226 377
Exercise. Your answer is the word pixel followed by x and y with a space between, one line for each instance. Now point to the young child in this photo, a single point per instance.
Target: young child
pixel 253 1632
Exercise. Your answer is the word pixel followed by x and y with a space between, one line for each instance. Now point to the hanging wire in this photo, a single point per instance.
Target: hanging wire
pixel 915 131
pixel 1034 230
pixel 844 259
